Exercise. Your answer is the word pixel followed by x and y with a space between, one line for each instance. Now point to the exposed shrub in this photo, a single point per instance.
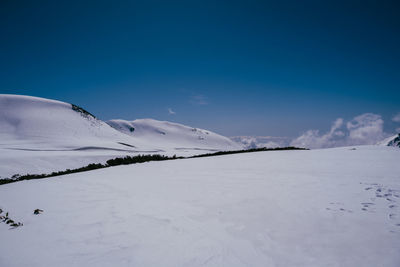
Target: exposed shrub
pixel 219 153
pixel 83 112
pixel 7 220
pixel 132 160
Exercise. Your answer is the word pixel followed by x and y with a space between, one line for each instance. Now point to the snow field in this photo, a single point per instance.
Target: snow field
pixel 332 207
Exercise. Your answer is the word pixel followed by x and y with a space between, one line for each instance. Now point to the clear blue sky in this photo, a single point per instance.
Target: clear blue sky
pixel 234 67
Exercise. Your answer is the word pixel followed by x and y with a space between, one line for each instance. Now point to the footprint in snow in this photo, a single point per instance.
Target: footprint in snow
pixel 335 208
pixel 390 195
pixel 367 204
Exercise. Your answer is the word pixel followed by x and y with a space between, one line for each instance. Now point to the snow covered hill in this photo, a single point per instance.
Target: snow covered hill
pixel 392 141
pixel 330 207
pixel 34 123
pixel 169 135
pixel 39 135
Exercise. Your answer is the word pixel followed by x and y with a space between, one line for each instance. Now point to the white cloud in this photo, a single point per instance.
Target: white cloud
pixel 364 129
pixel 171 112
pixel 270 145
pixel 398 130
pixel 313 139
pixel 396 118
pixel 261 141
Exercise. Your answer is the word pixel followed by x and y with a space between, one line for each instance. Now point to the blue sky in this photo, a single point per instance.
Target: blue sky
pixel 235 67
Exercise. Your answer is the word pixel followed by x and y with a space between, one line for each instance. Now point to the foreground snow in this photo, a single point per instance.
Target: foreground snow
pixel 332 207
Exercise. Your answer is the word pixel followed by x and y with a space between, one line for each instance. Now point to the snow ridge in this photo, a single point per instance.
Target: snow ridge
pixel 173 135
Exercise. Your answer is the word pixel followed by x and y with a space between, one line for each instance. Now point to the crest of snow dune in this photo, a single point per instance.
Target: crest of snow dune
pixel 365 129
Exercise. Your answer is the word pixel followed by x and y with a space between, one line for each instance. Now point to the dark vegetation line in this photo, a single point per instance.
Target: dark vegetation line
pixel 83 112
pixel 132 160
pixel 219 153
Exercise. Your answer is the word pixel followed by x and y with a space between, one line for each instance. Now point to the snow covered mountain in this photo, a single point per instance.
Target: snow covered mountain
pixel 327 207
pixel 39 135
pixel 169 135
pixel 41 124
pixel 392 141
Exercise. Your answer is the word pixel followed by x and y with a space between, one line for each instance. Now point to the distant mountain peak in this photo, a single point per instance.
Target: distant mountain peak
pixel 395 141
pixel 391 141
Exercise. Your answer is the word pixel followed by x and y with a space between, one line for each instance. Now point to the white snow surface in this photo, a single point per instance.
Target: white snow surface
pixel 39 135
pixel 331 207
pixel 34 123
pixel 170 135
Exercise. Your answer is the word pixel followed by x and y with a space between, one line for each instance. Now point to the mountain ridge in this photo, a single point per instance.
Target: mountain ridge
pixel 39 135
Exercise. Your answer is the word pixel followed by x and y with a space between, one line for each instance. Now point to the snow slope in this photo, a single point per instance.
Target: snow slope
pixel 33 123
pixel 169 135
pixel 391 141
pixel 39 135
pixel 331 207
